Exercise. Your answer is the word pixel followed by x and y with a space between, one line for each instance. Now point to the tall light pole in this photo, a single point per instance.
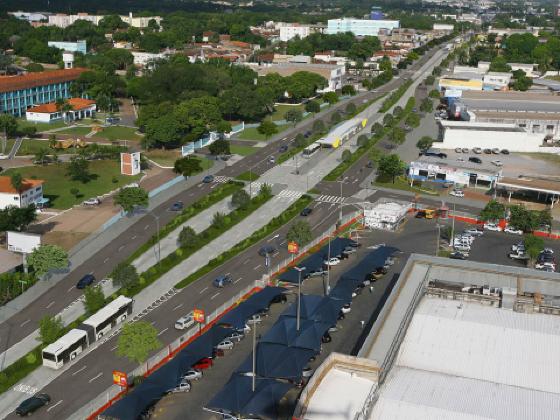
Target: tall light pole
pixel 340 204
pixel 254 356
pixel 437 239
pixel 299 269
pixel 157 237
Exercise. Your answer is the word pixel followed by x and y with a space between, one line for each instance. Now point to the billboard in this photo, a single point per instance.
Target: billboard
pixel 23 242
pixel 198 315
pixel 293 247
pixel 119 378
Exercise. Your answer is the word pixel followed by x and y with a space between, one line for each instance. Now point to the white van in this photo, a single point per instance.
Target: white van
pixel 462 248
pixel 185 322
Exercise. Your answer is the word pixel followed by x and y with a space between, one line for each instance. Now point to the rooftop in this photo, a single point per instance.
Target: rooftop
pixel 511 101
pixel 533 184
pixel 50 108
pixel 30 80
pixel 518 115
pixel 485 166
pixel 7 187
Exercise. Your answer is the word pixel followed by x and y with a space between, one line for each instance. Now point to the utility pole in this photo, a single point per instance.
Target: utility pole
pixel 453 226
pixel 340 204
pixel 299 269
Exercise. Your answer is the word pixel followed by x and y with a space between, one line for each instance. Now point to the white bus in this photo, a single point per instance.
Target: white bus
pixel 107 318
pixel 65 349
pixel 311 149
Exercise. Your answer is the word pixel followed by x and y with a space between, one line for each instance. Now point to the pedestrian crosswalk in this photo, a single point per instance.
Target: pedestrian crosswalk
pixel 290 194
pixel 221 179
pixel 330 199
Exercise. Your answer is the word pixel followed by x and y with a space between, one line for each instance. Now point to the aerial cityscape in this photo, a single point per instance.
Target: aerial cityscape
pixel 292 210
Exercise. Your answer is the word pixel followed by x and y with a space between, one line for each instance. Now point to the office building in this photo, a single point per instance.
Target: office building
pixel 18 93
pixel 290 31
pixel 360 27
pixel 31 192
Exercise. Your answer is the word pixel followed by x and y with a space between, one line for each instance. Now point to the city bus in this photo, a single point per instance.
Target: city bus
pixel 65 349
pixel 311 149
pixel 107 318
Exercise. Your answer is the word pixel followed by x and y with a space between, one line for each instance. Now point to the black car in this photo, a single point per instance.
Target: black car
pixel 283 148
pixel 177 206
pixel 475 160
pixel 369 165
pixel 222 281
pixel 281 298
pixel 307 134
pixel 85 281
pixel 266 250
pixel 354 244
pixel 457 255
pixel 32 404
pixel 306 212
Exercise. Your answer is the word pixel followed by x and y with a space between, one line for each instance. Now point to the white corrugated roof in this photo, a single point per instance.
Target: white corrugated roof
pixel 66 340
pixel 108 310
pixel 339 131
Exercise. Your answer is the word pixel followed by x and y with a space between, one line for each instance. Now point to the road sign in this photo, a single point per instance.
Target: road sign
pixel 198 315
pixel 120 378
pixel 293 247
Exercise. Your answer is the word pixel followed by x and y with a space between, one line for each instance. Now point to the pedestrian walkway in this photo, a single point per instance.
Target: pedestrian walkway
pixel 290 194
pixel 330 199
pixel 222 179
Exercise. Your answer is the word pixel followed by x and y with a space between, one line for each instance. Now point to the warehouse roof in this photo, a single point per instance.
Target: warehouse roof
pixel 511 101
pixel 485 166
pixel 532 184
pixel 519 115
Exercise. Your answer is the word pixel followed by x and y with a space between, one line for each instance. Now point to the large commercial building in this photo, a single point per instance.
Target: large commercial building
pixel 292 30
pixel 18 93
pixel 62 20
pixel 454 340
pixel 360 27
pixel 78 46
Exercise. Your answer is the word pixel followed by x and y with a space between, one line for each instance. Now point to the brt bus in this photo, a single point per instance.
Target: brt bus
pixel 107 318
pixel 311 149
pixel 65 349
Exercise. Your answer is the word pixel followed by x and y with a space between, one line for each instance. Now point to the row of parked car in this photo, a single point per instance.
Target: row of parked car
pixel 462 243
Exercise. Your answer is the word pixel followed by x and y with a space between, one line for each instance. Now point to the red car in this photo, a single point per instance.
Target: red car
pixel 203 364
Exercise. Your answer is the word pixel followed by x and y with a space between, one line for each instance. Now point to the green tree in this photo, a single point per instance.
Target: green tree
pixel 533 246
pixel 124 275
pixel 434 93
pixel 94 299
pixel 220 147
pixel 240 199
pixel 78 169
pixel 545 218
pixel 267 128
pixel 522 218
pixel 16 218
pixel 50 329
pixel 500 64
pixel 17 181
pixel 187 166
pixel 130 198
pixel 300 232
pixel 265 190
pixel 348 90
pixel 398 135
pixel 362 141
pixel 330 97
pixel 351 108
pixel 47 257
pixel 346 155
pixel 426 105
pixel 521 81
pixel 219 220
pixel 52 140
pixel 413 120
pixel 75 192
pixel 41 155
pixel 377 128
pixel 313 107
pixel 187 238
pixel 388 120
pixel 319 126
pixel 493 210
pixel 390 166
pixel 424 143
pixel 300 140
pixel 336 118
pixel 137 340
pixel 397 111
pixel 429 81
pixel 294 116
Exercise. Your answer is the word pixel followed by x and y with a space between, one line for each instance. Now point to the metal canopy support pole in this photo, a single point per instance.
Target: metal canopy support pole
pixel 254 356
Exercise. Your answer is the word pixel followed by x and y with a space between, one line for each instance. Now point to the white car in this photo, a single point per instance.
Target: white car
pixel 518 245
pixel 547 251
pixel 462 248
pixel 255 319
pixel 473 232
pixel 511 229
pixel 192 374
pixel 225 345
pixel 492 227
pixel 332 261
pixel 457 193
pixel 545 266
pixel 346 308
pixel 185 322
pixel 235 336
pixel 183 386
pixel 497 163
pixel 92 202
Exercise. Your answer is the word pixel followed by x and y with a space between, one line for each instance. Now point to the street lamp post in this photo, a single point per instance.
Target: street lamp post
pixel 157 238
pixel 437 239
pixel 299 269
pixel 254 356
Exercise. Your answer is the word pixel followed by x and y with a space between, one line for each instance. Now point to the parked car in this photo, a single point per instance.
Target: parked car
pixel 496 151
pixel 177 206
pixel 376 274
pixel 85 281
pixel 307 134
pixel 462 248
pixel 306 212
pixel 492 227
pixel 92 202
pixel 349 250
pixel 222 281
pixel 458 255
pixel 512 229
pixel 307 372
pixel 346 308
pixel 193 375
pixel 332 261
pixel 30 405
pixel 326 338
pixel 475 160
pixel 183 386
pixel 477 150
pixel 236 337
pixel 457 193
pixel 458 150
pixel 225 345
pixel 505 152
pixel 281 298
pixel 283 148
pixel 497 163
pixel 518 245
pixel 547 251
pixel 203 363
pixel 487 151
pixel 185 322
pixel 369 165
pixel 317 272
pixel 208 179
pixel 465 150
pixel 355 244
pixel 548 266
pixel 266 250
pixel 271 160
pixel 474 232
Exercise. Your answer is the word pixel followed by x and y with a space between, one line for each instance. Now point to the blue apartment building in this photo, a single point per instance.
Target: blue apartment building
pixel 17 93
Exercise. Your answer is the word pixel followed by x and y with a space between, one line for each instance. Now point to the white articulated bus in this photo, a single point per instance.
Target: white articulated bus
pixel 65 349
pixel 69 346
pixel 107 318
pixel 311 150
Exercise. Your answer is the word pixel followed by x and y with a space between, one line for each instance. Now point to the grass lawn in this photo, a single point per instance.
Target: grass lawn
pixel 548 157
pixel 58 185
pixel 163 157
pixel 117 132
pixel 40 126
pixel 242 150
pixel 253 134
pixel 402 184
pixel 247 176
pixel 30 147
pixel 75 131
pixel 280 111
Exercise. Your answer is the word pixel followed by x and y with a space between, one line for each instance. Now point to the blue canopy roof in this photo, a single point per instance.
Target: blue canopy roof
pixel 308 337
pixel 277 361
pixel 237 397
pixel 316 308
pixel 343 290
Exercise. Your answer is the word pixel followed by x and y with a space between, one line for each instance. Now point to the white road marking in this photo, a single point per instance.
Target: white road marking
pixel 114 347
pixel 228 274
pixel 71 288
pixel 203 290
pixel 26 389
pixel 282 243
pixel 162 331
pixel 105 260
pixel 50 304
pixel 96 377
pixel 134 237
pixel 120 248
pixel 213 186
pixel 257 267
pixel 212 298
pixel 191 194
pixel 146 227
pixel 24 322
pixel 53 406
pixel 247 260
pixel 177 307
pixel 237 280
pixel 79 370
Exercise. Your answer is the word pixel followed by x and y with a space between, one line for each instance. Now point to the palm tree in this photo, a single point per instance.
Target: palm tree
pixel 63 106
pixel 17 181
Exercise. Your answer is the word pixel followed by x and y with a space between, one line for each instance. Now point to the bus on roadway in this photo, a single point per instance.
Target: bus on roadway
pixel 65 349
pixel 311 149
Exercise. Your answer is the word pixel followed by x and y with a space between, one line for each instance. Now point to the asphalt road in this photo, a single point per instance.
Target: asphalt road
pixel 92 374
pixel 102 263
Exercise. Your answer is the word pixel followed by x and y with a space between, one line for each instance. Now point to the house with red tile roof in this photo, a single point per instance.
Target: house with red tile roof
pixel 31 192
pixel 78 108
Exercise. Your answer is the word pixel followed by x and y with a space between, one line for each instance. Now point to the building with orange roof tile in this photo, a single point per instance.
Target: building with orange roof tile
pixel 46 113
pixel 18 93
pixel 31 192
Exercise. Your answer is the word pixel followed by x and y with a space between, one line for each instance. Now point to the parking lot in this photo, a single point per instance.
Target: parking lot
pixel 416 235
